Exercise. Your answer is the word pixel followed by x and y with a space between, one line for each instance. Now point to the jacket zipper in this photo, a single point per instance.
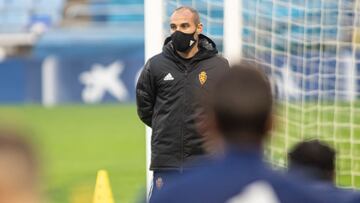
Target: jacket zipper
pixel 183 124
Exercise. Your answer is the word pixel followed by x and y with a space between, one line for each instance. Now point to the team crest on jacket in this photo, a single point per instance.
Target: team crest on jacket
pixel 202 77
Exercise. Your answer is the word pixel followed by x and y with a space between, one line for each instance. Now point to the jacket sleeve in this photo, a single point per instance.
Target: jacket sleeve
pixel 145 95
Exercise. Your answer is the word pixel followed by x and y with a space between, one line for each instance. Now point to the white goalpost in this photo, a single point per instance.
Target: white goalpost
pixel 154 37
pixel 232 30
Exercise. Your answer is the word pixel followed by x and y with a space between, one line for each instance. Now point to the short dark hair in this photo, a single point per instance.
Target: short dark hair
pixel 192 10
pixel 313 155
pixel 242 102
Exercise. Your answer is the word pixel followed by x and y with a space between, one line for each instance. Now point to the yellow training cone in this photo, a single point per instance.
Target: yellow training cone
pixel 103 192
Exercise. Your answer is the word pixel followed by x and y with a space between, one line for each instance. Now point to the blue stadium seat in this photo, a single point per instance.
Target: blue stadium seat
pixel 116 17
pixel 18 15
pixel 51 10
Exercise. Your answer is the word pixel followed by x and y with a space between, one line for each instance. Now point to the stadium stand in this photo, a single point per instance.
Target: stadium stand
pixel 22 22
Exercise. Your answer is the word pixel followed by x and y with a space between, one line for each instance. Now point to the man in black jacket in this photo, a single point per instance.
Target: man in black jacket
pixel 168 93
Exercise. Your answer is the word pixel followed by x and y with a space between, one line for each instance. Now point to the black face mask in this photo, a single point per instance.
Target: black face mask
pixel 182 41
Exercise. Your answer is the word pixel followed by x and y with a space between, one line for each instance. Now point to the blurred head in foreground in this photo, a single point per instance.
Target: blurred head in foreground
pixel 313 159
pixel 18 169
pixel 240 109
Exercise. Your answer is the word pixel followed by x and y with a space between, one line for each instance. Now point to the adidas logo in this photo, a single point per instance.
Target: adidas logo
pixel 168 77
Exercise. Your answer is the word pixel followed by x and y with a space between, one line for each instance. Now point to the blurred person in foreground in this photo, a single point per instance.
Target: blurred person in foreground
pixel 167 95
pixel 19 178
pixel 240 109
pixel 314 161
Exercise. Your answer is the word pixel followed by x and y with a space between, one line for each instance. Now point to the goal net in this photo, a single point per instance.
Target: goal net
pixel 310 51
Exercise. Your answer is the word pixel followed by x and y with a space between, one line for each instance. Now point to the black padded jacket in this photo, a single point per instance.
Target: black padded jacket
pixel 167 96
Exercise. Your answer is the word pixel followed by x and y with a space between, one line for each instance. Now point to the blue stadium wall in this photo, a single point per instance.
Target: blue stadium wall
pixel 20 77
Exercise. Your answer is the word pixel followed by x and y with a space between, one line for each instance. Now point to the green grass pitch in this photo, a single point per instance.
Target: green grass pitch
pixel 76 141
